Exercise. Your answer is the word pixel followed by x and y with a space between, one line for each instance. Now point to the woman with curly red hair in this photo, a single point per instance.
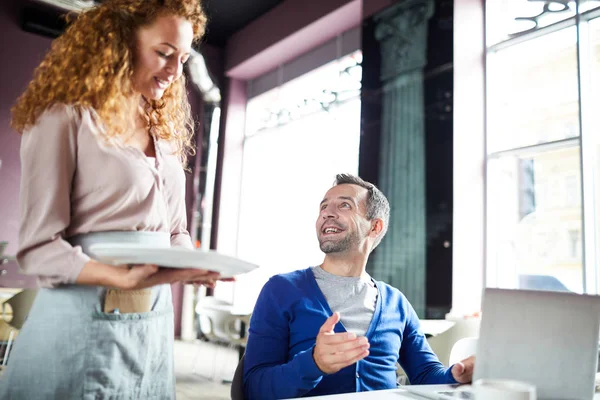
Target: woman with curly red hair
pixel 106 130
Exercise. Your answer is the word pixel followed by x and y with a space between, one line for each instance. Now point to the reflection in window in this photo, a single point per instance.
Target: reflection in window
pixel 574 243
pixel 529 219
pixel 571 190
pixel 527 188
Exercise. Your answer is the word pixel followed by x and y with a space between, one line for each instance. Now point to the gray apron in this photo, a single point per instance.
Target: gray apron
pixel 70 349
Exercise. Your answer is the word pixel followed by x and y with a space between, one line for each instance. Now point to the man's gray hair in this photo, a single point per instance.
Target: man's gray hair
pixel 377 204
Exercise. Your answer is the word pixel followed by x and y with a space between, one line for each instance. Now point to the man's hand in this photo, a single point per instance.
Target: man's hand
pixel 335 351
pixel 463 371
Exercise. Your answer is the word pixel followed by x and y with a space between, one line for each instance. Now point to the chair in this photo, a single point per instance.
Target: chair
pixel 237 330
pixel 237 384
pixel 463 328
pixel 218 325
pixel 462 349
pixel 213 316
pixel 20 305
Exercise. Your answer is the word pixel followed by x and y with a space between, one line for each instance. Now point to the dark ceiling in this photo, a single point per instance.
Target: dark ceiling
pixel 225 17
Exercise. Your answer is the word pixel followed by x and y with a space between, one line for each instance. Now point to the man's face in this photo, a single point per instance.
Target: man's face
pixel 342 224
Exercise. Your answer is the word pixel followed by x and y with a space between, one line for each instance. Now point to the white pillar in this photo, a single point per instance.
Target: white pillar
pixel 468 260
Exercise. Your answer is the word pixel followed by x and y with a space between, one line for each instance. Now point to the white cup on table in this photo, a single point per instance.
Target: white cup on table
pixel 501 389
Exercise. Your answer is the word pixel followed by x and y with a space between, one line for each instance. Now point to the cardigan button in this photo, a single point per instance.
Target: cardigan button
pixel 357 375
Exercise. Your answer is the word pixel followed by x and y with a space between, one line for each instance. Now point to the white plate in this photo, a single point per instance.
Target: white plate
pixel 174 257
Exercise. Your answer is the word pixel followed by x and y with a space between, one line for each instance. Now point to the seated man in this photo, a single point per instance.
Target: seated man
pixel 331 328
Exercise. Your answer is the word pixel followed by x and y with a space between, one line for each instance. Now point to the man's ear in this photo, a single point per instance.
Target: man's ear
pixel 376 227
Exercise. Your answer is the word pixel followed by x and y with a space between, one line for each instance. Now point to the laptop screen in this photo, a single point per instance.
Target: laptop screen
pixel 549 339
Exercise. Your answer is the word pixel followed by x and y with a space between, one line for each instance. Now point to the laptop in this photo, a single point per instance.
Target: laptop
pixel 549 339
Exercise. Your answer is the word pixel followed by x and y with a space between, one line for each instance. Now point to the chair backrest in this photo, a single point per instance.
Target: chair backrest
pixel 462 349
pixel 442 343
pixel 213 323
pixel 214 316
pixel 237 384
pixel 21 304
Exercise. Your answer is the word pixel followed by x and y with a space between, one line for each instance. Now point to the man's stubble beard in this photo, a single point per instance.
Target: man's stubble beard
pixel 345 244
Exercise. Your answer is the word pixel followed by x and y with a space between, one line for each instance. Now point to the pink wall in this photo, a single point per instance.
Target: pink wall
pixel 289 30
pixel 20 53
pixel 229 167
pixel 370 7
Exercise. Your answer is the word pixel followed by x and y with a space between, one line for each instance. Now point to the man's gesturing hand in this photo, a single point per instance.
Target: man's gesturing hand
pixel 335 351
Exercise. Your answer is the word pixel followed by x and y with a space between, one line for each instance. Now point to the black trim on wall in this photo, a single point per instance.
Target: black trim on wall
pixel 438 96
pixel 370 130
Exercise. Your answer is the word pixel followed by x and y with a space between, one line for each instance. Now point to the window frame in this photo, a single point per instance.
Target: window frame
pixel 588 193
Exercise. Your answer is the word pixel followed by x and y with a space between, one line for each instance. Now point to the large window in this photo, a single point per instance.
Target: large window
pixel 298 137
pixel 543 152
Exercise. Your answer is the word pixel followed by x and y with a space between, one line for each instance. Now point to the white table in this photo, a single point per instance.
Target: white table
pixel 434 327
pixel 393 394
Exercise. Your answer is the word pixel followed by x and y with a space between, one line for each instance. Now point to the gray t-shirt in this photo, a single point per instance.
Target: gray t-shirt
pixel 353 297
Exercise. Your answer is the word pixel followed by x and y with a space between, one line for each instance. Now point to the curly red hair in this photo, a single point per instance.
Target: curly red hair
pixel 91 65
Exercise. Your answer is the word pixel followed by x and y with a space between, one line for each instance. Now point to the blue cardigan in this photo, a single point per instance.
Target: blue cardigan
pixel 286 320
